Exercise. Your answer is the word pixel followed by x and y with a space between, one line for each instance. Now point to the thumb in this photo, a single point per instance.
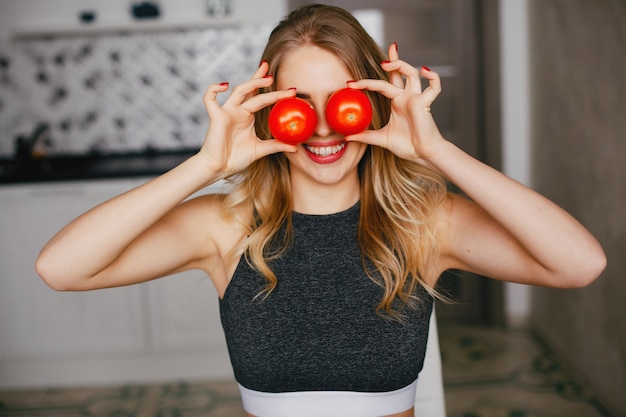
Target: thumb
pixel 370 137
pixel 270 146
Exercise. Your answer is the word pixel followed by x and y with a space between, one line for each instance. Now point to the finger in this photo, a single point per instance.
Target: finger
pixel 260 101
pixel 260 73
pixel 248 88
pixel 271 146
pixel 380 86
pixel 210 95
pixel 395 78
pixel 370 137
pixel 262 70
pixel 392 52
pixel 434 83
pixel 410 73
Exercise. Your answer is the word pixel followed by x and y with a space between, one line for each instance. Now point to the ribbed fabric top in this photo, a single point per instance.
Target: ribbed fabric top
pixel 318 330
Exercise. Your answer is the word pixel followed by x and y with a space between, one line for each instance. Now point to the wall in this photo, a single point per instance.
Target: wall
pixel 578 89
pixel 28 15
pixel 117 93
pixel 112 91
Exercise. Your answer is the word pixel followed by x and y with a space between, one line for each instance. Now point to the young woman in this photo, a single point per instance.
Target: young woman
pixel 326 254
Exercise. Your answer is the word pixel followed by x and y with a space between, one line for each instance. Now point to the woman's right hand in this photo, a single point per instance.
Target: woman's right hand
pixel 231 143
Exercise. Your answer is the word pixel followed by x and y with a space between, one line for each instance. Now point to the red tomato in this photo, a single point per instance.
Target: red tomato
pixel 292 120
pixel 349 111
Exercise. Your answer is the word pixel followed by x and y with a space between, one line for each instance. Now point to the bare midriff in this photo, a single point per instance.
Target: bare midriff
pixel 407 413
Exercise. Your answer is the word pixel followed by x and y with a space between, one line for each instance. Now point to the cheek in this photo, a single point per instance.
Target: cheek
pixel 293 157
pixel 358 149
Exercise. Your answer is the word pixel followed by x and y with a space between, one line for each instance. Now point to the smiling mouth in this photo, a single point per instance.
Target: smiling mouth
pixel 325 150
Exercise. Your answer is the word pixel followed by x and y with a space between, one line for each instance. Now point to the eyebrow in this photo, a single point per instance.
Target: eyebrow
pixel 307 96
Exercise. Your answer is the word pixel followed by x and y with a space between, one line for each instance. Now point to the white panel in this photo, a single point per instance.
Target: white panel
pixel 516 141
pixel 185 314
pixel 373 20
pixel 37 322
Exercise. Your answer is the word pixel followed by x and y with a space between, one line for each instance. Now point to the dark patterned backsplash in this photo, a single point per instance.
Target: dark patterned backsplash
pixel 119 93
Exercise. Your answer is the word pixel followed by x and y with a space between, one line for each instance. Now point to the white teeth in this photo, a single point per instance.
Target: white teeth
pixel 325 150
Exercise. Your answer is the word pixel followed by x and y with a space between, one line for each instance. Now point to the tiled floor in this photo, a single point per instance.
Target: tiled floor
pixel 487 373
pixel 509 373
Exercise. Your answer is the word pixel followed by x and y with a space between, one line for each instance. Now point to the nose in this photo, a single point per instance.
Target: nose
pixel 322 129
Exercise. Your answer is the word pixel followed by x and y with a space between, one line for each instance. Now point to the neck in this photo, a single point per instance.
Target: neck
pixel 325 199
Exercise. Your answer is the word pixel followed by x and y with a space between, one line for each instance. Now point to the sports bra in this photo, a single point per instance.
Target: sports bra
pixel 328 403
pixel 318 331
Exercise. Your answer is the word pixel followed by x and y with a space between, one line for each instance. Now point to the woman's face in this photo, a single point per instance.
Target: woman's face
pixel 325 158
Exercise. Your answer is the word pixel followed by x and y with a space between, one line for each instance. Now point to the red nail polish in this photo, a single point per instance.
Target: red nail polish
pixel 225 83
pixel 385 62
pixel 268 76
pixel 262 62
pixel 292 88
pixel 395 44
pixel 425 67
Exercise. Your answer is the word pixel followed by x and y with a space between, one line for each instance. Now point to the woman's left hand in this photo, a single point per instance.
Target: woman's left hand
pixel 411 132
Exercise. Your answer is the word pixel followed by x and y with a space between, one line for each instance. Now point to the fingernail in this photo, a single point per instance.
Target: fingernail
pixel 425 68
pixel 395 44
pixel 292 88
pixel 263 61
pixel 268 76
pixel 350 81
pixel 384 62
pixel 225 83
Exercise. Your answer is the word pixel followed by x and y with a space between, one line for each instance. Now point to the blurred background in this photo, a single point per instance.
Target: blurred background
pixel 99 96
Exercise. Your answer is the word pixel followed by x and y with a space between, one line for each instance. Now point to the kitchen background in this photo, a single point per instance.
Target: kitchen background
pixel 547 80
pixel 119 92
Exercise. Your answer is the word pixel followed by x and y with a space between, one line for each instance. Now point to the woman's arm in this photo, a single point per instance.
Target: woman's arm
pixel 86 253
pixel 507 231
pixel 147 233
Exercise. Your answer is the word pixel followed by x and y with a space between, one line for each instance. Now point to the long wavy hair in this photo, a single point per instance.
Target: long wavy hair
pixel 395 231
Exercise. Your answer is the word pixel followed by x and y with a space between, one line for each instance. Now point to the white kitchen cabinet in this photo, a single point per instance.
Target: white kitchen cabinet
pixel 166 329
pixel 34 320
pixel 184 312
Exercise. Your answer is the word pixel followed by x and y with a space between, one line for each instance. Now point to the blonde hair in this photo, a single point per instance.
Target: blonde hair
pixel 395 233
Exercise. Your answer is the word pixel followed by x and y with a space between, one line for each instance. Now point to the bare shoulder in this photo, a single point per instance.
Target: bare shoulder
pixel 205 215
pixel 215 236
pixel 455 212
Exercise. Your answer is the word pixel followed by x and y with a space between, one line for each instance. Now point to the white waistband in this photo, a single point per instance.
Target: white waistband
pixel 328 403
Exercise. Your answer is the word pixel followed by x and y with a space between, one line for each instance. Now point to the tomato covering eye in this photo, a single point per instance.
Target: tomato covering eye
pixel 292 120
pixel 348 111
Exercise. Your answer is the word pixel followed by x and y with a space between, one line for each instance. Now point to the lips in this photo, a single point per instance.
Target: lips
pixel 325 153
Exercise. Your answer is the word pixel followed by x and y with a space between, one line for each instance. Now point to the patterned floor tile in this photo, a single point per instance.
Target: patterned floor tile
pixel 509 373
pixel 487 373
pixel 215 399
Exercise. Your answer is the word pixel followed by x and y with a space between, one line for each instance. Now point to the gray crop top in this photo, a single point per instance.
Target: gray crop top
pixel 318 330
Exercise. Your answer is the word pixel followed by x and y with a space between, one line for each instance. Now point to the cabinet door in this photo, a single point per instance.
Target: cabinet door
pixel 184 311
pixel 37 322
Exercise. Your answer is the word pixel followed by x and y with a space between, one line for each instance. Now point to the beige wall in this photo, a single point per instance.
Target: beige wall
pixel 578 102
